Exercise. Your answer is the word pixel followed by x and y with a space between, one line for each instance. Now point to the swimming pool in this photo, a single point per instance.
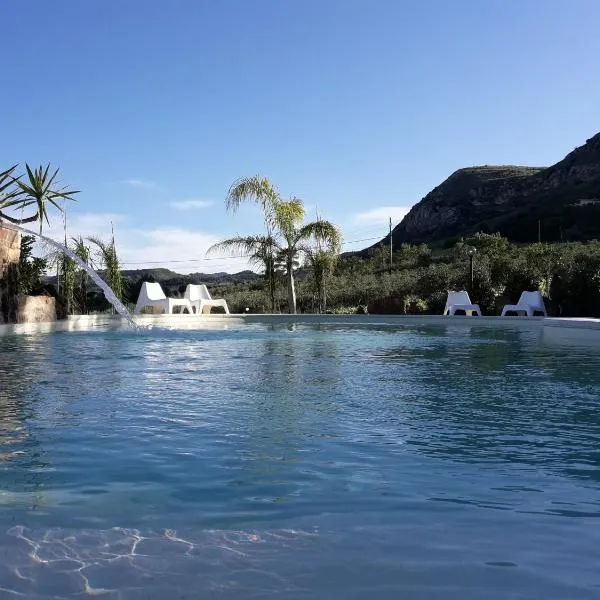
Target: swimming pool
pixel 299 462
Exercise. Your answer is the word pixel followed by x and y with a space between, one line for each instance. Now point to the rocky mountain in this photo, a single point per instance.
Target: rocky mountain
pixel 561 202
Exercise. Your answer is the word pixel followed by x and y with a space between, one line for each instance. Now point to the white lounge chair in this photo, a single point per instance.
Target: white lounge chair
pixel 529 303
pixel 461 301
pixel 151 294
pixel 200 298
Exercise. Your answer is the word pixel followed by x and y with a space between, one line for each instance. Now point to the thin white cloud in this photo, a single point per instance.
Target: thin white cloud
pixel 85 225
pixel 175 248
pixel 144 184
pixel 381 215
pixel 191 204
pixel 179 249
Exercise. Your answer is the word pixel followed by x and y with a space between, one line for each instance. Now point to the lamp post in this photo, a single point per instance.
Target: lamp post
pixel 471 254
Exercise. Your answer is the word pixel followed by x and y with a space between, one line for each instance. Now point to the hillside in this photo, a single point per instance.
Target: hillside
pixel 563 199
pixel 169 279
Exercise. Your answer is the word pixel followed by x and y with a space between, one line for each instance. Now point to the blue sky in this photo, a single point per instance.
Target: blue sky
pixel 153 107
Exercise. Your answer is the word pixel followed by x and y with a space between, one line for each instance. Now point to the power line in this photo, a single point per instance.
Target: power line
pixel 226 257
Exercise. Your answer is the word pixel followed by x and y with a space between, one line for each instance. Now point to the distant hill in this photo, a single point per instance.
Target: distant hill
pixel 169 278
pixel 563 200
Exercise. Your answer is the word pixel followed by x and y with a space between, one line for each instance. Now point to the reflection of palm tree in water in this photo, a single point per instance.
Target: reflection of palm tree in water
pixel 290 405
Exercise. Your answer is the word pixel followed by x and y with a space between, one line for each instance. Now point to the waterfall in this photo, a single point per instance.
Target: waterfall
pixel 108 293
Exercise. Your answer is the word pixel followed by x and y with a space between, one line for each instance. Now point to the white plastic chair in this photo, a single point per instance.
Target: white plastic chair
pixel 151 294
pixel 200 298
pixel 529 303
pixel 461 301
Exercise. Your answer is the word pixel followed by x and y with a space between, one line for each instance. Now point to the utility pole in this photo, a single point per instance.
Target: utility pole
pixel 539 231
pixel 391 249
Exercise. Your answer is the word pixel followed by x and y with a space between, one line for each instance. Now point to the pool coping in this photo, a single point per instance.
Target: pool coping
pixel 189 322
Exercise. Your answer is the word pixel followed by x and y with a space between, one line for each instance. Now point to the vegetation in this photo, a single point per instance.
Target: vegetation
pixel 31 268
pixel 108 261
pixel 35 190
pixel 287 237
pixel 568 275
pixel 303 269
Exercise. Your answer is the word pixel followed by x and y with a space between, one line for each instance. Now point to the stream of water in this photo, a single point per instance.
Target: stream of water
pixel 106 289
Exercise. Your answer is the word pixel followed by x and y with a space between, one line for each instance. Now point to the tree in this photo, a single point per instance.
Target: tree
pixel 260 250
pixel 31 268
pixel 287 236
pixel 68 273
pixel 37 190
pixel 322 264
pixel 108 260
pixel 83 251
pixel 258 189
pixel 288 218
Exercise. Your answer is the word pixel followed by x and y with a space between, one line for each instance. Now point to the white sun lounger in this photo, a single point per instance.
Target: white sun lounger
pixel 529 303
pixel 200 299
pixel 461 301
pixel 151 294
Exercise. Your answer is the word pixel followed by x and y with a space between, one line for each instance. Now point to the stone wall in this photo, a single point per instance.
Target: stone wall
pixel 10 253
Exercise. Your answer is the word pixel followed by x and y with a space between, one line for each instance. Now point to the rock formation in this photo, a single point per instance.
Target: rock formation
pixel 15 307
pixel 10 253
pixel 558 202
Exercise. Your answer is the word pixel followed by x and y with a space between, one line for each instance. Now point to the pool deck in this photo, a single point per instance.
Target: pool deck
pixel 189 322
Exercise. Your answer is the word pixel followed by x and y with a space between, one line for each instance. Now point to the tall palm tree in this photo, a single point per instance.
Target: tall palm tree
pixel 286 234
pixel 257 189
pixel 37 190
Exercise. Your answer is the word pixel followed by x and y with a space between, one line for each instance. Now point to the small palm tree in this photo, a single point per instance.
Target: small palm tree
pixel 37 190
pixel 321 263
pixel 79 247
pixel 109 262
pixel 288 219
pixel 259 249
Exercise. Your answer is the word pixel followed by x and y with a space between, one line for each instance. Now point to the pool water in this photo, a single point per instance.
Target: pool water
pixel 451 462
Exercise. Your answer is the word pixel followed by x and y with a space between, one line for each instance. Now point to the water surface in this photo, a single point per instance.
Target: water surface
pixel 302 462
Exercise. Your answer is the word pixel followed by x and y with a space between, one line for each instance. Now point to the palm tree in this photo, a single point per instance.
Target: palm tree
pixel 260 250
pixel 322 259
pixel 83 251
pixel 257 189
pixel 37 190
pixel 322 263
pixel 109 261
pixel 287 236
pixel 288 219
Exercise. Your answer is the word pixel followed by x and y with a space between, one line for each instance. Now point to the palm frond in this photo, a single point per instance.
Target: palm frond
pixel 7 181
pixel 107 255
pixel 256 189
pixel 38 190
pixel 324 233
pixel 259 249
pixel 287 216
